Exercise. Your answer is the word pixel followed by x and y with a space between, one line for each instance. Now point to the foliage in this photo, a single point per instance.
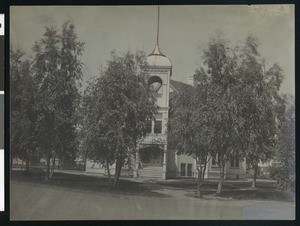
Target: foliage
pixel 284 170
pixel 116 108
pixel 220 61
pixel 190 127
pixel 235 109
pixel 23 115
pixel 57 69
pixel 260 105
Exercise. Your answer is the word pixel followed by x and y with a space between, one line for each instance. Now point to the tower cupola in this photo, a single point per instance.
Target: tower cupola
pixel 157 58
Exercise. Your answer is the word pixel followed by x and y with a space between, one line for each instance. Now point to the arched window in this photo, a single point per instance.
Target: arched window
pixel 155 83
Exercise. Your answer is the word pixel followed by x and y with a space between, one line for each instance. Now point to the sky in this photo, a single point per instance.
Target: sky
pixel 184 32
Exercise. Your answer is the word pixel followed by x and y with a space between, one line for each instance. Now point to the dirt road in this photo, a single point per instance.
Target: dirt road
pixel 38 202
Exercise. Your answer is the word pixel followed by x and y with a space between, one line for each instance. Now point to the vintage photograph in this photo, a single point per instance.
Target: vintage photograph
pixel 182 112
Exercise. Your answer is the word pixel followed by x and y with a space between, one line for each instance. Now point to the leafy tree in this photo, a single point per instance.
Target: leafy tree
pixel 260 104
pixel 284 172
pixel 23 114
pixel 189 124
pixel 245 104
pixel 57 69
pixel 68 97
pixel 16 68
pixel 117 107
pixel 220 62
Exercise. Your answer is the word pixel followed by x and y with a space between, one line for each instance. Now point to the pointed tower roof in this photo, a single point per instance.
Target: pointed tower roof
pixel 157 51
pixel 156 58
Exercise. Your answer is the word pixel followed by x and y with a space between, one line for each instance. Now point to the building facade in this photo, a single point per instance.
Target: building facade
pixel 153 158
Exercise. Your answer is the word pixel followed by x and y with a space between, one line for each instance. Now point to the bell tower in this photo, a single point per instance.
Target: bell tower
pixel 159 69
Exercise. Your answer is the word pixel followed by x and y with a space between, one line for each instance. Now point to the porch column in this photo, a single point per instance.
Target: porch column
pixel 164 174
pixel 136 170
pixel 225 170
pixel 177 165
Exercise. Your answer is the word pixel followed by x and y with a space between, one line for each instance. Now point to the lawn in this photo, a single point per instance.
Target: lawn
pixel 235 189
pixel 82 183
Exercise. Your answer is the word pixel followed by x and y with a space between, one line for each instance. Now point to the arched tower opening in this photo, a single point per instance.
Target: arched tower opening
pixel 155 84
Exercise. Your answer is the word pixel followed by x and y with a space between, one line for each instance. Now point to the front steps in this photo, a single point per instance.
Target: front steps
pixel 151 172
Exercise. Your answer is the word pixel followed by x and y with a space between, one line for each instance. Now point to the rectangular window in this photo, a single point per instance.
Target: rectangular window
pixel 237 162
pixel 149 126
pixel 182 169
pixel 215 160
pixel 158 126
pixel 234 162
pixel 189 170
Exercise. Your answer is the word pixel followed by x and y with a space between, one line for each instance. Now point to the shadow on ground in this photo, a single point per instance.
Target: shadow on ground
pixel 83 183
pixel 239 190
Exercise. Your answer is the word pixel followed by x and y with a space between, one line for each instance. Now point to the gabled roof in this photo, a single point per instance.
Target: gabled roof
pixel 177 87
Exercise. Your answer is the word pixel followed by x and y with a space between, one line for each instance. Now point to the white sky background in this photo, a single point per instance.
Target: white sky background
pixel 184 31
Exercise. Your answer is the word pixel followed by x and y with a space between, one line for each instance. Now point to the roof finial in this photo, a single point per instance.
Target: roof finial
pixel 157 38
pixel 156 50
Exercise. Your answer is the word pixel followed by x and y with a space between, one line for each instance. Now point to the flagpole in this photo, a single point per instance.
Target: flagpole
pixel 157 38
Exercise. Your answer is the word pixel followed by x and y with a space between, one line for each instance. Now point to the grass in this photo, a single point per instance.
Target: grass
pixel 238 190
pixel 82 183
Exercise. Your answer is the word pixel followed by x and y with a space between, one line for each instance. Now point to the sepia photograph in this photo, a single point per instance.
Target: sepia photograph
pixel 171 112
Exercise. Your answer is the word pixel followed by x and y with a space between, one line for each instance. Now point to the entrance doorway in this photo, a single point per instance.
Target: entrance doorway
pixel 151 161
pixel 151 155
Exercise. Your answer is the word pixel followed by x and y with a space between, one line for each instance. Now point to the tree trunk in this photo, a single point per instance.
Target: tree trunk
pixel 255 175
pixel 108 173
pixel 117 172
pixel 220 185
pixel 27 163
pixel 52 168
pixel 199 183
pixel 47 166
pixel 204 169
